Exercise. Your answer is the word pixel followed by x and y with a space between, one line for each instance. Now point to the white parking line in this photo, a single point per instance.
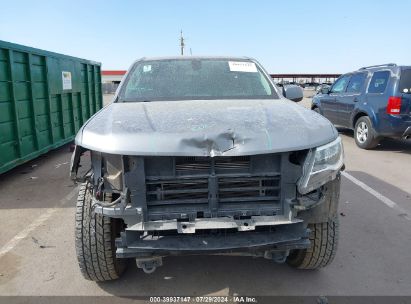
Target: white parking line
pixel 376 194
pixel 33 225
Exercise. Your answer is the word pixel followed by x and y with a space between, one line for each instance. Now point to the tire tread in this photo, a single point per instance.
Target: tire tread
pixel 324 243
pixel 94 242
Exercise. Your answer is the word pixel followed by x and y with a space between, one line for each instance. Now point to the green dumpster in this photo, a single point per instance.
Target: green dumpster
pixel 45 98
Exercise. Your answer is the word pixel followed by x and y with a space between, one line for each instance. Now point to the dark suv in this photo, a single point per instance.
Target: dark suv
pixel 374 101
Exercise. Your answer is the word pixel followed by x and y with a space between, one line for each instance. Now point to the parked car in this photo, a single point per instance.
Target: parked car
pixel 374 101
pixel 282 84
pixel 203 155
pixel 314 85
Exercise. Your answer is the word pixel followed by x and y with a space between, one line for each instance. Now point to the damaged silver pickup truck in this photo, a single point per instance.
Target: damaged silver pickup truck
pixel 205 155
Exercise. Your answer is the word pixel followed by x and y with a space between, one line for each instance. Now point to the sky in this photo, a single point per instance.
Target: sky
pixel 284 36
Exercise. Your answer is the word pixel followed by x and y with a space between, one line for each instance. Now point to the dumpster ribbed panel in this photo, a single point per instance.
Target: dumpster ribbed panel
pixel 45 98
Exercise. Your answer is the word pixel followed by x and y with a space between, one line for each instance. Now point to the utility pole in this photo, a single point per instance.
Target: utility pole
pixel 182 43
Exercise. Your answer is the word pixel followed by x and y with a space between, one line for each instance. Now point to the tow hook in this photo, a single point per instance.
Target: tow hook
pixel 149 265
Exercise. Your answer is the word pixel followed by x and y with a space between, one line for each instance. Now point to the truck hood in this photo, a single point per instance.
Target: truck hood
pixel 205 128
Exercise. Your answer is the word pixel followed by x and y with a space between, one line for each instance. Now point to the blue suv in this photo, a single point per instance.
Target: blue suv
pixel 374 101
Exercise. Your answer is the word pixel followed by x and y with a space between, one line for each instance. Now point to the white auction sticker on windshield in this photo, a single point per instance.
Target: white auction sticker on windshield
pixel 147 68
pixel 242 66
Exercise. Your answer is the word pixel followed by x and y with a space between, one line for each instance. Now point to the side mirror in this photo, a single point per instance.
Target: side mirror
pixel 325 90
pixel 293 92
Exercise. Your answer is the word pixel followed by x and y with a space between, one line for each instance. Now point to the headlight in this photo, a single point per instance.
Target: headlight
pixel 321 165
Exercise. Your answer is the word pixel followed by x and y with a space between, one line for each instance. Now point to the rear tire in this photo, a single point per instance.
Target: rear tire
pixel 95 241
pixel 364 134
pixel 324 242
pixel 317 110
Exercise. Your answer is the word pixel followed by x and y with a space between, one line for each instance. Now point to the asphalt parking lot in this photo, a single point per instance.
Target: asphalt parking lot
pixel 37 255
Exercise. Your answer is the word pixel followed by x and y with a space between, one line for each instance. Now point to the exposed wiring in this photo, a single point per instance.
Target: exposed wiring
pixel 104 204
pixel 99 193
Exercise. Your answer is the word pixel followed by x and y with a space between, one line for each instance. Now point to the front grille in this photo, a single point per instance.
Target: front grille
pixel 181 186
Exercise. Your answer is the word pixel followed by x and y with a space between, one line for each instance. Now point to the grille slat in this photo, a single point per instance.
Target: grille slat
pixel 172 180
pixel 179 201
pixel 241 189
pixel 179 191
pixel 188 164
pixel 153 179
pixel 248 199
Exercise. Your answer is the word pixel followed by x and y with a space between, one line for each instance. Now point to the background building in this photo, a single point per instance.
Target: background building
pixel 110 80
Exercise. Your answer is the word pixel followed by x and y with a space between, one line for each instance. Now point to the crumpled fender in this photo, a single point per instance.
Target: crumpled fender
pixel 327 207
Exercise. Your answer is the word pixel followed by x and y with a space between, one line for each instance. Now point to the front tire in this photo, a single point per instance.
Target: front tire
pixel 95 237
pixel 324 243
pixel 364 134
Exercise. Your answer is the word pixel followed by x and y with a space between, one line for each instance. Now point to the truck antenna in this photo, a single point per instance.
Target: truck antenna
pixel 182 43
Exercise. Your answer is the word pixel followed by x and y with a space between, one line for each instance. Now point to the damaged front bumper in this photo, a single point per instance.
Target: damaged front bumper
pixel 281 238
pixel 190 227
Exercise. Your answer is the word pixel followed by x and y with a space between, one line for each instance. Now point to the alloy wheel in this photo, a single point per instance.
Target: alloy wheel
pixel 362 132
